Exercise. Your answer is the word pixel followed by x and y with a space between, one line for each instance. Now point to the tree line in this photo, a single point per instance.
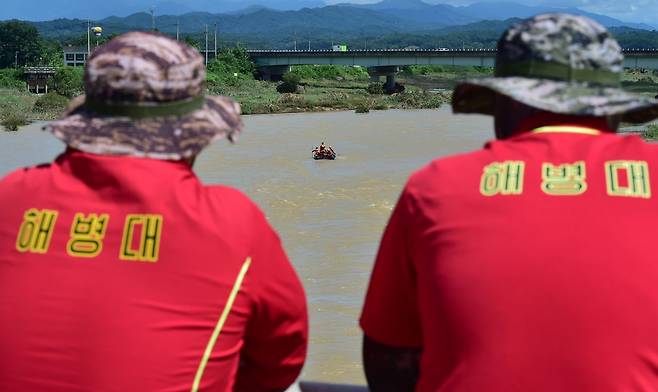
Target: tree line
pixel 21 44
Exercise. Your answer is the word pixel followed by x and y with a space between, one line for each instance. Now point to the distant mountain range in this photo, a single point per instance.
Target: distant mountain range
pixel 449 15
pixel 98 10
pixel 261 26
pixel 418 13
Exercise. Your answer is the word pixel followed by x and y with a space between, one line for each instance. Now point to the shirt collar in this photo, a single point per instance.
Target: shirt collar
pixel 122 173
pixel 558 123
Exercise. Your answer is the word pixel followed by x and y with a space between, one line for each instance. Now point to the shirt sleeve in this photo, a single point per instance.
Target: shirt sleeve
pixel 276 337
pixel 390 314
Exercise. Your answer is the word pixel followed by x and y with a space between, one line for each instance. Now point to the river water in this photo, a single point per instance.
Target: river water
pixel 329 214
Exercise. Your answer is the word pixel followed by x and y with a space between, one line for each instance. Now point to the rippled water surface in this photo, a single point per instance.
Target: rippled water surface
pixel 330 214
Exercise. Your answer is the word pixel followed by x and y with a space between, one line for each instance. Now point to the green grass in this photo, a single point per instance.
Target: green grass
pixel 50 103
pixel 15 108
pixel 17 104
pixel 12 98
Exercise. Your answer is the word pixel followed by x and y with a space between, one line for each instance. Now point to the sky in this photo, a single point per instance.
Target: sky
pixel 638 11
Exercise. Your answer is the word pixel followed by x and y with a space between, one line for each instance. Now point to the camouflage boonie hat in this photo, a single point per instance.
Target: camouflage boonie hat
pixel 144 96
pixel 559 63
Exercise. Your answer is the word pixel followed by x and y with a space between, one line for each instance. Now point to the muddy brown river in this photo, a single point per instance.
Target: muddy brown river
pixel 329 214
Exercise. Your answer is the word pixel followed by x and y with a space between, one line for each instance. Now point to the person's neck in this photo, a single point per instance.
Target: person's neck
pixel 553 119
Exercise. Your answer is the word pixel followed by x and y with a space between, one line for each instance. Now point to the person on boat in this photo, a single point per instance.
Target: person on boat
pixel 119 269
pixel 323 151
pixel 528 265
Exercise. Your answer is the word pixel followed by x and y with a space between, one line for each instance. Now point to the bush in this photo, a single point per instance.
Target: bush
pixel 11 78
pixel 287 88
pixel 423 69
pixel 69 81
pixel 51 101
pixel 375 88
pixel 420 100
pixel 335 72
pixel 291 78
pixel 362 108
pixel 12 101
pixel 290 83
pixel 231 67
pixel 13 120
pixel 651 132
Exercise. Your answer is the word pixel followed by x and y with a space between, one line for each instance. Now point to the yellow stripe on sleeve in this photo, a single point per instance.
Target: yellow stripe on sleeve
pixel 220 324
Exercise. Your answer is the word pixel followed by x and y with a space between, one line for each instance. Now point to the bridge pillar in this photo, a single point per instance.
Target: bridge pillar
pixel 273 72
pixel 390 83
pixel 389 71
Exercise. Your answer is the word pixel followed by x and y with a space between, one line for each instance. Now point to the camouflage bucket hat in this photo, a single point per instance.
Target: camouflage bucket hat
pixel 144 96
pixel 559 63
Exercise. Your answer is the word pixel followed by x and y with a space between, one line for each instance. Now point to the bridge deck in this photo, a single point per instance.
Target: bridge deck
pixel 634 58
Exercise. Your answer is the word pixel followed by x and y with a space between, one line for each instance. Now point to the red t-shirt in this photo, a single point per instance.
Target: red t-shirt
pixel 530 265
pixel 118 274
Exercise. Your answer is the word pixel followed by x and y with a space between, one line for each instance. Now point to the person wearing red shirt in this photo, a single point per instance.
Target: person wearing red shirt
pixel 529 265
pixel 119 269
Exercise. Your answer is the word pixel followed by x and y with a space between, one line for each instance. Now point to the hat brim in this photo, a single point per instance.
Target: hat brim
pixel 478 96
pixel 169 138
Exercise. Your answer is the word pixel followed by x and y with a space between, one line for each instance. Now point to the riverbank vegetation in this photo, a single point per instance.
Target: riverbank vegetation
pixel 323 88
pixel 309 88
pixel 304 88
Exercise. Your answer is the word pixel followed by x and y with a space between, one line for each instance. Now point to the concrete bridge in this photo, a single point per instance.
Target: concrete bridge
pixel 272 64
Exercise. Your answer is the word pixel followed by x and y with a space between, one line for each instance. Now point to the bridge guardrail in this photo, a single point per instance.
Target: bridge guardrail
pixel 438 50
pixel 309 386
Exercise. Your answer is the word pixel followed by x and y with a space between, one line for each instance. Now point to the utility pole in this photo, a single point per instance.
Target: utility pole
pixel 309 45
pixel 295 39
pixel 215 39
pixel 88 38
pixel 16 60
pixel 206 44
pixel 177 29
pixel 152 18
